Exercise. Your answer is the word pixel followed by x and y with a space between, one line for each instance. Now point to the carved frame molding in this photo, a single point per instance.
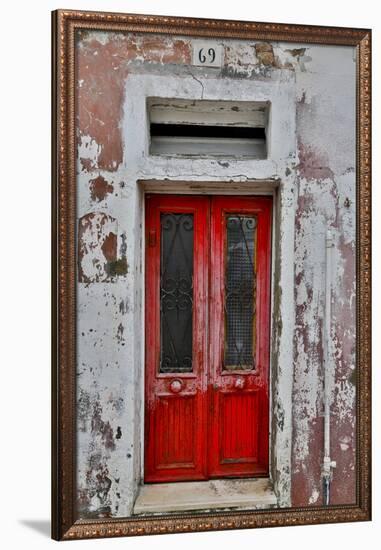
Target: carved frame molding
pixel 64 25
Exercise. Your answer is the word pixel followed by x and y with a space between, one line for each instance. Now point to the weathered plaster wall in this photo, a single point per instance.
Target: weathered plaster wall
pixel 326 199
pixel 311 157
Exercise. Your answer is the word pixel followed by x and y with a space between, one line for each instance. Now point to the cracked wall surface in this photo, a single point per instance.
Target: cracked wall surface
pixel 313 92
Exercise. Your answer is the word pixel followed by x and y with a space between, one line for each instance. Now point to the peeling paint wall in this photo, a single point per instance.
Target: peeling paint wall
pixel 311 161
pixel 326 199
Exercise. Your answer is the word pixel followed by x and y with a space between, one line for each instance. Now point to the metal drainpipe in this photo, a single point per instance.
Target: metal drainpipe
pixel 328 464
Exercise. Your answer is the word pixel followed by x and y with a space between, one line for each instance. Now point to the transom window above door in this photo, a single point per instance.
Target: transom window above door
pixel 206 128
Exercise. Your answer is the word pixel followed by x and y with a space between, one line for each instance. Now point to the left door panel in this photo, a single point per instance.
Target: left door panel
pixel 175 382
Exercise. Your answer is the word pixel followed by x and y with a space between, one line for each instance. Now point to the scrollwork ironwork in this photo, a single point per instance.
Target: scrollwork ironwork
pixel 240 285
pixel 176 292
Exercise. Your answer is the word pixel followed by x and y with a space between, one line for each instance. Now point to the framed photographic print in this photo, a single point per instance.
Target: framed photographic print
pixel 211 274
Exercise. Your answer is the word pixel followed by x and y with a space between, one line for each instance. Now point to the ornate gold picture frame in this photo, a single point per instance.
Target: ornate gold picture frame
pixel 288 111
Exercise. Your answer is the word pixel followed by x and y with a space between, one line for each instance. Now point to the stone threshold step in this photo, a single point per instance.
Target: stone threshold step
pixel 205 495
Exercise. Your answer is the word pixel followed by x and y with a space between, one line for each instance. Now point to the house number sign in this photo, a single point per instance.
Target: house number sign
pixel 207 53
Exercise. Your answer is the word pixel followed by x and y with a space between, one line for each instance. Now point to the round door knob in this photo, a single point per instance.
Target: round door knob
pixel 239 384
pixel 175 386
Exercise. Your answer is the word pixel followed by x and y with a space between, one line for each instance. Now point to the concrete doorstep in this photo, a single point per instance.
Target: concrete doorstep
pixel 205 495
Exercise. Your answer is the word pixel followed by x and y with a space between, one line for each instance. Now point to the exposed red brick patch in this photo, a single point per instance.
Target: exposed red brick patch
pixel 109 247
pixel 100 86
pixel 100 188
pixel 97 247
pixel 87 164
pixel 158 49
pixel 101 73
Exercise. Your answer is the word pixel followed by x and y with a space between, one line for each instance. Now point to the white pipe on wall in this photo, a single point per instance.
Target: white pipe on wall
pixel 328 464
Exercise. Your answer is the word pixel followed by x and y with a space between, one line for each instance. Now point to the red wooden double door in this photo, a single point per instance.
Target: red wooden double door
pixel 207 337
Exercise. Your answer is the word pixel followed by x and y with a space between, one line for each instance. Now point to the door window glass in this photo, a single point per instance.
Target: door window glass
pixel 240 292
pixel 176 292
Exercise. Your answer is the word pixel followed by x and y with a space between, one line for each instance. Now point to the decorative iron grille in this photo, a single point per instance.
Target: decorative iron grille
pixel 240 286
pixel 176 292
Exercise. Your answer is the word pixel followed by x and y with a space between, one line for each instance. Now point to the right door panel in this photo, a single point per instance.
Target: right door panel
pixel 239 336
